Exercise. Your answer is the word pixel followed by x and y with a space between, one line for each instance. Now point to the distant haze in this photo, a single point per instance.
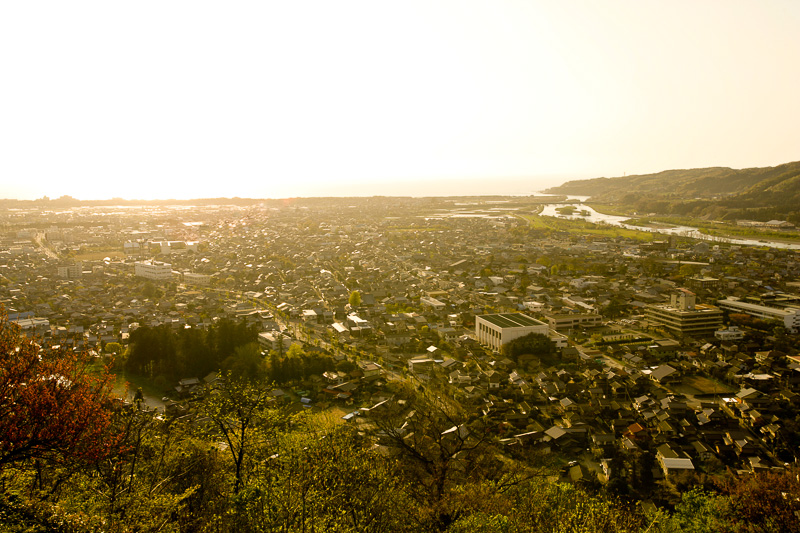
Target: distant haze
pixel 187 99
pixel 436 187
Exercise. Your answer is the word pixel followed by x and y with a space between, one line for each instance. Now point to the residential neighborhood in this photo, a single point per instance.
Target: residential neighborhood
pixel 666 353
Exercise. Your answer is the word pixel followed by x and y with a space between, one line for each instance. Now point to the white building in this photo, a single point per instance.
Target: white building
pixel 499 329
pixel 71 271
pixel 190 278
pixel 154 270
pixel 574 320
pixel 175 247
pixel 731 334
pixel 272 340
pixel 131 247
pixel 433 303
pixel 790 316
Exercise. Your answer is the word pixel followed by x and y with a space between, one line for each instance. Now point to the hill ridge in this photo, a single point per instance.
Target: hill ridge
pixel 720 192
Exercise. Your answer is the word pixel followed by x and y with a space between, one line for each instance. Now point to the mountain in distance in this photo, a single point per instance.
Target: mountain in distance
pixel 717 192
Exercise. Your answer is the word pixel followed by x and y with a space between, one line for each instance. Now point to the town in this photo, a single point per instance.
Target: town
pixel 665 356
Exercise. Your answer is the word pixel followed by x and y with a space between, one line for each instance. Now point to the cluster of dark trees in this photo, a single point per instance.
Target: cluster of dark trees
pixel 166 354
pixel 173 354
pixel 298 364
pixel 531 345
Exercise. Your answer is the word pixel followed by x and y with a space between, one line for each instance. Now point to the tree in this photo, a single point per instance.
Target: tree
pixel 325 477
pixel 766 501
pixel 51 406
pixel 782 340
pixel 614 308
pixel 355 299
pixel 700 512
pixel 243 414
pixel 114 347
pixel 686 271
pixel 532 343
pixel 246 362
pixel 153 352
pixel 149 289
pixel 441 447
pixel 524 281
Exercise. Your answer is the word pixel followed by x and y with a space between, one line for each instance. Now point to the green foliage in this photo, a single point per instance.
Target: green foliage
pixel 686 271
pixel 535 505
pixel 355 299
pixel 298 364
pixel 750 322
pixel 325 478
pixel 399 308
pixel 114 347
pixel 481 523
pixel 149 290
pixel 162 351
pixel 715 193
pixel 246 362
pixel 244 415
pixel 702 512
pixel 153 351
pixel 615 308
pixel 531 344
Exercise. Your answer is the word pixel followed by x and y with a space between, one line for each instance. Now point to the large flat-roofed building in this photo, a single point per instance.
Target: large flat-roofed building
pixel 790 316
pixel 683 316
pixel 154 270
pixel 496 330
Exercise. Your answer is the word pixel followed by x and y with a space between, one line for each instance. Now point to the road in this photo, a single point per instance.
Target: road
pixel 40 243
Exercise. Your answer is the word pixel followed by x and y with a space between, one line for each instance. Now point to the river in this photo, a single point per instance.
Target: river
pixel 683 231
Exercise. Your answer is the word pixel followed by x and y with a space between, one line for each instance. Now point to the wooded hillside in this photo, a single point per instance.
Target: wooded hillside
pixel 718 192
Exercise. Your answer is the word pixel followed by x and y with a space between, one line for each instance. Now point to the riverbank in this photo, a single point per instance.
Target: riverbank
pixel 675 226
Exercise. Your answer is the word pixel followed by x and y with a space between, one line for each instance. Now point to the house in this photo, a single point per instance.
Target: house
pixel 494 379
pixel 370 370
pixel 665 374
pixel 672 466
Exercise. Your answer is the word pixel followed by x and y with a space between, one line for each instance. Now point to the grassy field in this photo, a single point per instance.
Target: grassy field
pixel 613 210
pixel 718 229
pixel 750 233
pixel 581 227
pixel 705 385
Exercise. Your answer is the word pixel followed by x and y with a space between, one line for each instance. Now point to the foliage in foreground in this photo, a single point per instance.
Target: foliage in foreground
pixel 242 461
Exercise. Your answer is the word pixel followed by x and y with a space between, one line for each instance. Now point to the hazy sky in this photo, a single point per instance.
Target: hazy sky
pixel 187 99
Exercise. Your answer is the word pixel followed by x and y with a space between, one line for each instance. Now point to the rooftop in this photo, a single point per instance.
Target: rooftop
pixel 511 320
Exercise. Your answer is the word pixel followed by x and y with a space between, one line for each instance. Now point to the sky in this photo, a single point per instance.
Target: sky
pixel 196 99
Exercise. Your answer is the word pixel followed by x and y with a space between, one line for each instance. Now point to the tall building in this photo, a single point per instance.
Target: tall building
pixel 684 316
pixel 74 271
